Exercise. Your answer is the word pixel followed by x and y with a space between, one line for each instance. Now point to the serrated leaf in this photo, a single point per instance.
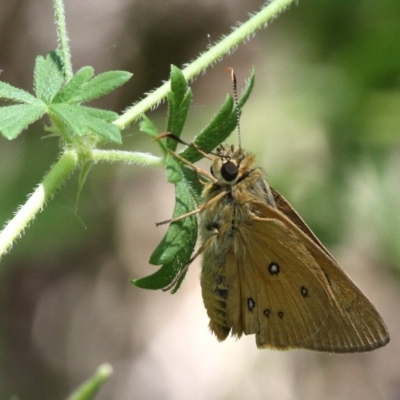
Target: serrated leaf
pixel 81 120
pixel 14 119
pixel 12 93
pixel 101 85
pixel 74 86
pixel 48 76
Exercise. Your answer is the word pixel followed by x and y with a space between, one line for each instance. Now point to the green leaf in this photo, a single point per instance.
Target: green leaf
pixel 82 120
pixel 108 116
pixel 74 86
pixel 179 84
pixel 247 89
pixel 180 233
pixel 101 85
pixel 147 126
pixel 221 126
pixel 14 119
pixel 179 100
pixel 177 246
pixel 160 279
pixel 89 389
pixel 12 93
pixel 104 129
pixel 173 169
pixel 48 76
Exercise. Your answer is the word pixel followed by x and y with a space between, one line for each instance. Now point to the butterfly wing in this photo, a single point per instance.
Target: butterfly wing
pixel 355 312
pixel 277 283
pixel 284 207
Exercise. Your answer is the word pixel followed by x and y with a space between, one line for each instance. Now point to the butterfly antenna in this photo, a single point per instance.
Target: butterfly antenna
pixel 235 96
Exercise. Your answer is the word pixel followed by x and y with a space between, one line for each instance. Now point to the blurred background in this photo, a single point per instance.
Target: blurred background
pixel 324 120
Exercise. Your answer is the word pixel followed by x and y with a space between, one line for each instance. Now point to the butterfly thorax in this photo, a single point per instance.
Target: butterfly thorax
pixel 241 184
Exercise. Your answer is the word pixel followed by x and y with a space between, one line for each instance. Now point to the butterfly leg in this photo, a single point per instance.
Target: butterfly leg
pixel 194 212
pixel 198 170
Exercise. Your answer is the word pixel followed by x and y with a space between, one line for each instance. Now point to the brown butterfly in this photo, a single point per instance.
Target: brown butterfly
pixel 264 272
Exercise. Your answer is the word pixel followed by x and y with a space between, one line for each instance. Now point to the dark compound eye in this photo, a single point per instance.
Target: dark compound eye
pixel 229 171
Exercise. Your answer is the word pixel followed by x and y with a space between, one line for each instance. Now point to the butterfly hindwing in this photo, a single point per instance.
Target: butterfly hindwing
pixel 284 301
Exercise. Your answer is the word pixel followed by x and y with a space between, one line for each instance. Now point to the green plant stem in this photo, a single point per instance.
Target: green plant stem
pixel 225 46
pixel 129 157
pixel 89 389
pixel 13 229
pixel 63 38
pixel 59 172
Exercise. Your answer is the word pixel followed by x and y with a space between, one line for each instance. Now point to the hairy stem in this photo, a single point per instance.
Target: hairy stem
pixel 225 46
pixel 128 157
pixel 63 38
pixel 13 229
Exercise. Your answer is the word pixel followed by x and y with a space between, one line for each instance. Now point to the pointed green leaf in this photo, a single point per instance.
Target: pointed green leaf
pixel 74 86
pixel 247 89
pixel 173 169
pixel 69 115
pixel 179 84
pixel 176 248
pixel 14 119
pixel 83 120
pixel 180 233
pixel 104 129
pixel 12 93
pixel 160 279
pixel 221 126
pixel 108 116
pixel 48 76
pixel 179 100
pixel 147 126
pixel 101 85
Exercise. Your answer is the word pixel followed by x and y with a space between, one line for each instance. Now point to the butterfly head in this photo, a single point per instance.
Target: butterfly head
pixel 231 164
